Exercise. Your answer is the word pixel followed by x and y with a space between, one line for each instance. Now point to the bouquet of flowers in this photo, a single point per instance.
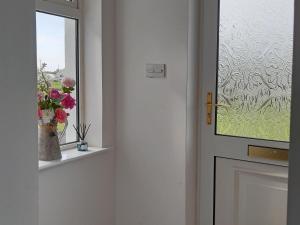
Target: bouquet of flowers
pixel 54 98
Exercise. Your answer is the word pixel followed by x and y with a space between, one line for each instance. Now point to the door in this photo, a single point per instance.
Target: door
pixel 246 76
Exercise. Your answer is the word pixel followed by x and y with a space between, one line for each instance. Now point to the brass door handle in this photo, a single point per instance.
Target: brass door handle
pixel 217 105
pixel 222 105
pixel 209 107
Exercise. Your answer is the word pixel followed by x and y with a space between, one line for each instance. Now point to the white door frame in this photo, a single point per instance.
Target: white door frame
pixel 192 112
pixel 294 155
pixel 206 159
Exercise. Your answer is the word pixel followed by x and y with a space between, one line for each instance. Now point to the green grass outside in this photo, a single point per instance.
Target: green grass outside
pixel 56 84
pixel 270 125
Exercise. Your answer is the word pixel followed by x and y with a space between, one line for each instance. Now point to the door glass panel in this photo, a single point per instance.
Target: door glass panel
pixel 255 68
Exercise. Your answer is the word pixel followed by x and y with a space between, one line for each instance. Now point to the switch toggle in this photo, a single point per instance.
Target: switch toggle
pixel 155 70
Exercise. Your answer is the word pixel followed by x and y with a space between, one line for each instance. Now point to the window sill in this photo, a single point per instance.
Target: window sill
pixel 69 156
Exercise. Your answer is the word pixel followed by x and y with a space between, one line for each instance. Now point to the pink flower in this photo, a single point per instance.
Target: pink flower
pixel 54 93
pixel 68 102
pixel 60 115
pixel 68 82
pixel 40 112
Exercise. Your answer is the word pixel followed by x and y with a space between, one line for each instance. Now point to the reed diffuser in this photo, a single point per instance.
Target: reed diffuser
pixel 82 132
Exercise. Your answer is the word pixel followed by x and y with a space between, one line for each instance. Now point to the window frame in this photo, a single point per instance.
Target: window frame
pixel 69 11
pixel 66 3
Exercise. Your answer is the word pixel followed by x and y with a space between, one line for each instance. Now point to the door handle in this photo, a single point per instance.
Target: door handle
pixel 209 107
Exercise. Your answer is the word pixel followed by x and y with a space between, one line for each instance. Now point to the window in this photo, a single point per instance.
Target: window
pixel 255 68
pixel 57 55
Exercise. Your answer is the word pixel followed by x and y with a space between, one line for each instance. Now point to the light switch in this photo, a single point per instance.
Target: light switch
pixel 149 68
pixel 155 70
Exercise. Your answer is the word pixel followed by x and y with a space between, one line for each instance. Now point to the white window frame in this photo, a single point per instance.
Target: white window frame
pixel 60 8
pixel 71 10
pixel 67 3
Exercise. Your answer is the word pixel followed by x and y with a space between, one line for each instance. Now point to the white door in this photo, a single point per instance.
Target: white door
pixel 246 75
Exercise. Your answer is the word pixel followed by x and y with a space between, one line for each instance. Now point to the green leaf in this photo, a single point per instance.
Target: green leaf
pixel 66 90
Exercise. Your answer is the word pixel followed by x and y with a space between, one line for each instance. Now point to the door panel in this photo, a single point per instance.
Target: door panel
pixel 251 95
pixel 250 193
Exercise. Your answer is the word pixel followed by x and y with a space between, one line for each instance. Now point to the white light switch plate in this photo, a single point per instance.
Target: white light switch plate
pixel 155 70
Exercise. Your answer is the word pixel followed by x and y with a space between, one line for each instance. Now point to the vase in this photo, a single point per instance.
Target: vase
pixel 48 142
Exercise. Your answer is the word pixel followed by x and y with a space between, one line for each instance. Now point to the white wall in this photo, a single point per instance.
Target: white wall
pixel 92 68
pixel 99 70
pixel 151 113
pixel 108 72
pixel 82 192
pixel 18 161
pixel 78 193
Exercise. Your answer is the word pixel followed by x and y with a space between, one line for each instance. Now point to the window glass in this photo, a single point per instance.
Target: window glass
pixel 57 58
pixel 255 68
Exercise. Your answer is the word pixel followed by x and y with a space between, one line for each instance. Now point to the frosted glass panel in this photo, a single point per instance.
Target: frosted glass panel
pixel 255 68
